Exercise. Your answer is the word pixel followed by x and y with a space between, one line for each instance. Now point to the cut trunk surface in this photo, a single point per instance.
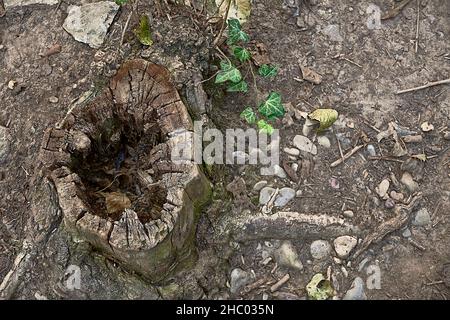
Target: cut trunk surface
pixel 117 182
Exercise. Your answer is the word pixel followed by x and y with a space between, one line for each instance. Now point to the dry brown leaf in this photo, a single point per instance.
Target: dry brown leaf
pixel 395 10
pixel 116 201
pixel 260 55
pixel 310 75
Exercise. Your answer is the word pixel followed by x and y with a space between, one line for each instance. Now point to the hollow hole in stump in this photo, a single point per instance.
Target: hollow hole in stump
pixel 117 174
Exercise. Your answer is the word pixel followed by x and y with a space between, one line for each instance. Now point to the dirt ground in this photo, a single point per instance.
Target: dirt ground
pixel 362 70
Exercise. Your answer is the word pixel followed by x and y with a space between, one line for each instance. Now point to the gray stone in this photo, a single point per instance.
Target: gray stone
pixel 238 279
pixel 18 3
pixel 259 185
pixel 275 170
pixel 406 233
pixel 265 195
pixel 371 150
pixel 4 143
pixel 285 195
pixel 304 144
pixel 324 141
pixel 422 218
pixel 89 23
pixel 389 203
pixel 356 292
pixel 409 182
pixel 348 214
pixel 333 32
pixel 292 151
pixel 286 256
pixel 320 249
pixel 344 245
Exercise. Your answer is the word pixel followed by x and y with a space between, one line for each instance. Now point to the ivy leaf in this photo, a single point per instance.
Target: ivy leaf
pixel 272 107
pixel 228 72
pixel 248 115
pixel 235 34
pixel 242 54
pixel 325 117
pixel 265 127
pixel 121 2
pixel 267 71
pixel 142 32
pixel 238 87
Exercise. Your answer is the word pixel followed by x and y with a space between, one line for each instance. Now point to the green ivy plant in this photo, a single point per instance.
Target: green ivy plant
pixel 270 109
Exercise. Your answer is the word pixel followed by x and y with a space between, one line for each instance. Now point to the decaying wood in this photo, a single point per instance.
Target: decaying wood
pixel 139 105
pixel 402 216
pixel 289 225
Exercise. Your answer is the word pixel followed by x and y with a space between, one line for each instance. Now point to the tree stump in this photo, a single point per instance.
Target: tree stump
pixel 117 185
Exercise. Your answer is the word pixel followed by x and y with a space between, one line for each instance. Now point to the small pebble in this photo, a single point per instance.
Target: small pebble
pixel 292 151
pixel 344 245
pixel 259 185
pixel 53 99
pixel 447 135
pixel 320 249
pixel 397 196
pixel 348 213
pixel 334 183
pixel 389 204
pixel 371 150
pixel 324 141
pixel 11 84
pixel 406 233
pixel 422 218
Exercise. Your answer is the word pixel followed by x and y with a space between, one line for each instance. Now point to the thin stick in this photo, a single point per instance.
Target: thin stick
pixel 346 156
pixel 133 9
pixel 431 84
pixel 126 27
pixel 282 281
pixel 340 149
pixel 385 158
pixel 198 83
pixel 254 82
pixel 222 27
pixel 417 26
pixel 223 55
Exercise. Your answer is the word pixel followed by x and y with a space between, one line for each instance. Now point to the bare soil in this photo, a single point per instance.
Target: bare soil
pixel 361 73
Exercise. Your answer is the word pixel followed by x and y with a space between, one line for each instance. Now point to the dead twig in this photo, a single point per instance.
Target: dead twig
pixel 222 27
pixel 346 156
pixel 385 159
pixel 402 216
pixel 431 84
pixel 416 244
pixel 128 21
pixel 416 44
pixel 279 283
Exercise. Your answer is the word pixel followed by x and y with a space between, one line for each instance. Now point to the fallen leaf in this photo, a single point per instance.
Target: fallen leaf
pixel 386 133
pixel 395 10
pixel 310 75
pixel 116 201
pixel 239 9
pixel 260 55
pixel 421 156
pixel 326 117
pixel 319 288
